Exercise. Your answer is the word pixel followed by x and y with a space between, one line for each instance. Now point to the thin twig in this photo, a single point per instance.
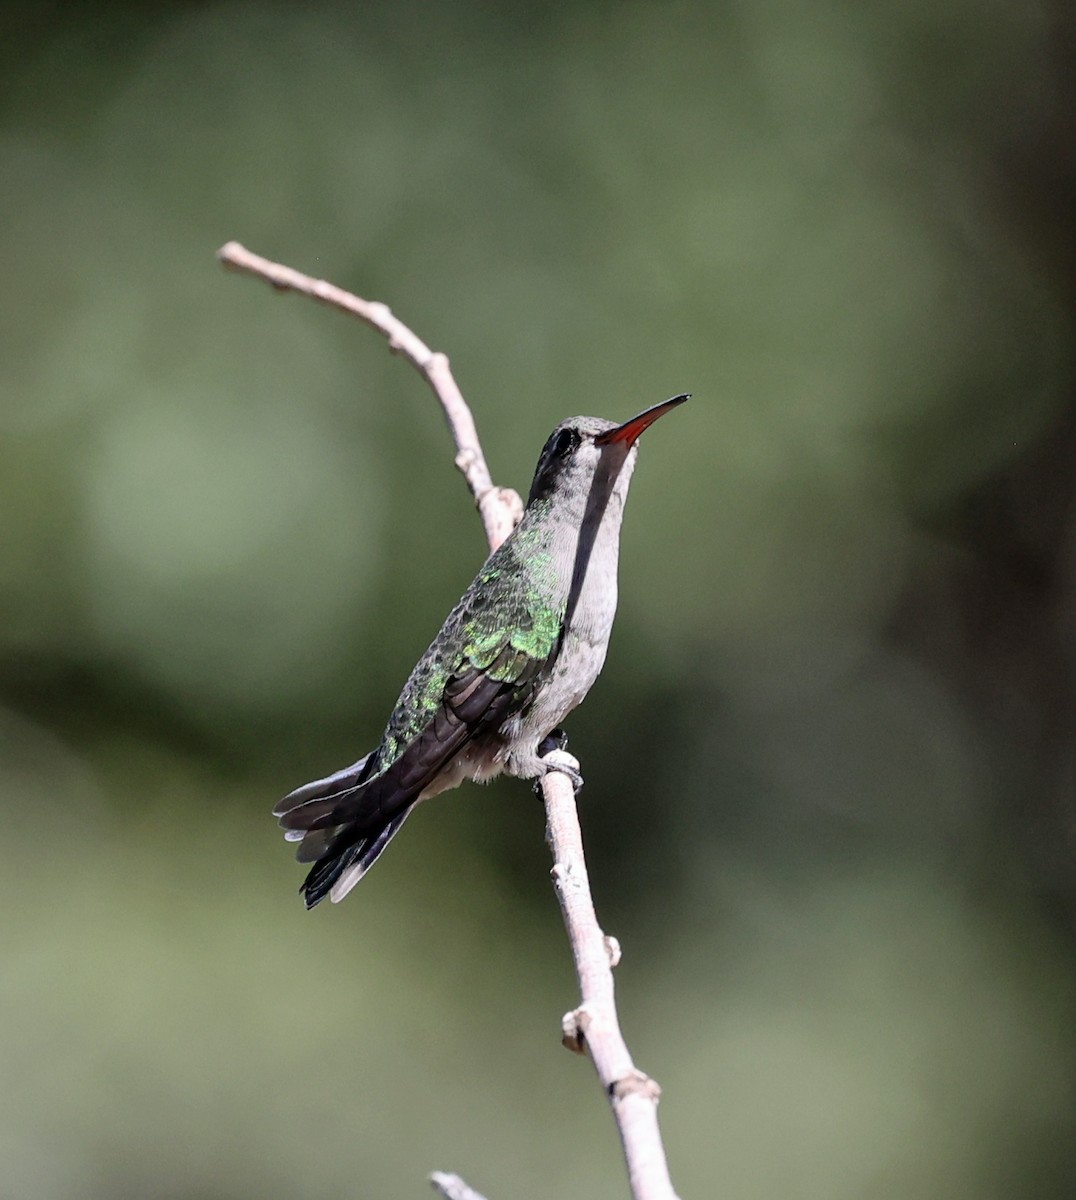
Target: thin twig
pixel 593 1027
pixel 452 1187
pixel 500 508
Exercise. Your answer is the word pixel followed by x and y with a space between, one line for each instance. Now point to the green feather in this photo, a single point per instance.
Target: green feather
pixel 509 617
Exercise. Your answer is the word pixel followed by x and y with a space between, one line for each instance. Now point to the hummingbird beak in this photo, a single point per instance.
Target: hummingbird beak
pixel 628 433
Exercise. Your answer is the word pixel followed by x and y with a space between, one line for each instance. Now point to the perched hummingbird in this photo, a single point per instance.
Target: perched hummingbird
pixel 518 652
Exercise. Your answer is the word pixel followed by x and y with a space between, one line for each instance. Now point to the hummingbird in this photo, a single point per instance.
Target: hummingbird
pixel 518 653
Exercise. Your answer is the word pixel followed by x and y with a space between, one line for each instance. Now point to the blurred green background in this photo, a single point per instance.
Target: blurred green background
pixel 831 765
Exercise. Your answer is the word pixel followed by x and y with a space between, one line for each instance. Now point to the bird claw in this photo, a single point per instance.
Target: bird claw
pixel 555 739
pixel 566 764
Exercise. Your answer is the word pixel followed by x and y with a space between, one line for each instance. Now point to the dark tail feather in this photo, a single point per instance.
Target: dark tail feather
pixel 319 817
pixel 336 786
pixel 312 816
pixel 337 872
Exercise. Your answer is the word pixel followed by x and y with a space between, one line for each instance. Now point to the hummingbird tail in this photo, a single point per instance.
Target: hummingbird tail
pixel 337 871
pixel 341 834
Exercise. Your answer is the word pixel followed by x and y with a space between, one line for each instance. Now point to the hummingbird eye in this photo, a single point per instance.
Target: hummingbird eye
pixel 559 448
pixel 566 443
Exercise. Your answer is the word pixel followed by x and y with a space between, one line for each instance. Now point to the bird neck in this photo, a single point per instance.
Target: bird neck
pixel 570 544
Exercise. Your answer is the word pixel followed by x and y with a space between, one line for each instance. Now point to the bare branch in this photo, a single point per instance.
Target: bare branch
pixel 500 508
pixel 452 1187
pixel 593 1028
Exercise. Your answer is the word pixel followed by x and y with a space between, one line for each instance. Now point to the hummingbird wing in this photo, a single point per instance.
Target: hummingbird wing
pixel 474 699
pixel 474 676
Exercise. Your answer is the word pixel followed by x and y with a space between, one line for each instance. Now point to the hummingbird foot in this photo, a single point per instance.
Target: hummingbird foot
pixel 555 739
pixel 565 763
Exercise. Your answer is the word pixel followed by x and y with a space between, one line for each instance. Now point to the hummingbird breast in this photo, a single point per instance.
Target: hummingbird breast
pixel 585 641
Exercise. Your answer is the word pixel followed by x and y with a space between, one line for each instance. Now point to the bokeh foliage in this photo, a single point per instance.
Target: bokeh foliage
pixel 830 763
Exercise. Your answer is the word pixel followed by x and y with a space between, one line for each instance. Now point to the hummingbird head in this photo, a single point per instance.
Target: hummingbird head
pixel 582 449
